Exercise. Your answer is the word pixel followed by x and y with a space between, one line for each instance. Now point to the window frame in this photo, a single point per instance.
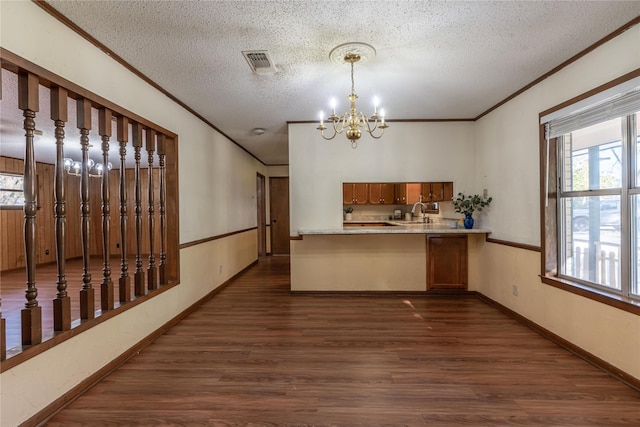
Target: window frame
pixel 550 201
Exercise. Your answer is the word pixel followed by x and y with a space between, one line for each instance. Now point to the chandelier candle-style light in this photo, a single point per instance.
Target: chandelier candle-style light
pixel 74 168
pixel 353 122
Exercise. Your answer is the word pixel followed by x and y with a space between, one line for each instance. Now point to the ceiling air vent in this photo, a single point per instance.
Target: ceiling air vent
pixel 259 61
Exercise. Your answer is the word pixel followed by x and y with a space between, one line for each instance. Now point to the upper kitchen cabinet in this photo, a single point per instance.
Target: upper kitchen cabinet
pixel 355 193
pixel 407 193
pixel 381 194
pixel 437 191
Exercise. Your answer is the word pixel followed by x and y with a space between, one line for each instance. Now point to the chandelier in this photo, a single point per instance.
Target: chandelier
pixel 75 168
pixel 353 122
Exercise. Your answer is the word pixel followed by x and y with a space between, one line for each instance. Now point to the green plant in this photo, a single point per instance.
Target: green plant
pixel 469 204
pixel 348 209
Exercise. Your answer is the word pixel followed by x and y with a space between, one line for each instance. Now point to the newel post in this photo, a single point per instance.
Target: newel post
pixel 162 153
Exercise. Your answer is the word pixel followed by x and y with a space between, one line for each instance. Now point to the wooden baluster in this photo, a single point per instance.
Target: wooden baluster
pixel 162 151
pixel 31 314
pixel 139 285
pixel 87 298
pixel 123 138
pixel 62 301
pixel 106 288
pixel 152 271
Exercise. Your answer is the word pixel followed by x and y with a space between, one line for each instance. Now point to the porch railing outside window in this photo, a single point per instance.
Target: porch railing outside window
pixel 598 205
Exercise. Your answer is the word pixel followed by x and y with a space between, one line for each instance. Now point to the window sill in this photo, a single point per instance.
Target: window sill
pixel 620 302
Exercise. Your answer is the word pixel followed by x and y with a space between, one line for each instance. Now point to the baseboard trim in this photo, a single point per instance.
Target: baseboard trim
pixel 567 345
pixel 57 405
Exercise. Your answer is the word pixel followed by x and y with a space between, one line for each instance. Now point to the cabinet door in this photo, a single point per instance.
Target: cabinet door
pixel 360 193
pixel 347 194
pixel 375 194
pixel 400 193
pixel 437 191
pixel 447 262
pixel 387 194
pixel 447 191
pixel 414 189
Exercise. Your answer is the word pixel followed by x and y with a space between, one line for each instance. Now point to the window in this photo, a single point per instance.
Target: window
pixel 11 191
pixel 592 214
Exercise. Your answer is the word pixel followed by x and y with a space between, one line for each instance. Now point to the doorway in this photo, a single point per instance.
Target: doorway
pixel 261 215
pixel 279 210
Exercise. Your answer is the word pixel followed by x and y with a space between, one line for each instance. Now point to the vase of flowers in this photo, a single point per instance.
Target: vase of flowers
pixel 467 205
pixel 347 214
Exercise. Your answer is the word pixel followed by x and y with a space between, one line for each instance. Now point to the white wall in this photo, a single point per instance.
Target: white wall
pixel 217 188
pixel 408 152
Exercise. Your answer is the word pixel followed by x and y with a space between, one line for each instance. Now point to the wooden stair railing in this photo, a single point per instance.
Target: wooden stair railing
pixel 62 301
pixel 124 286
pixel 106 287
pixel 57 200
pixel 31 314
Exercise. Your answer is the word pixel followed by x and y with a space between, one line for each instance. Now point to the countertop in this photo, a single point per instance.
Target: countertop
pixel 394 227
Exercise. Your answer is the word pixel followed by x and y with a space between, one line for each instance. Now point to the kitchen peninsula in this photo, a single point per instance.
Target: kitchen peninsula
pixel 387 256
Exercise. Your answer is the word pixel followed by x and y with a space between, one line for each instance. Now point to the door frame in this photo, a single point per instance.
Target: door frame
pixel 261 214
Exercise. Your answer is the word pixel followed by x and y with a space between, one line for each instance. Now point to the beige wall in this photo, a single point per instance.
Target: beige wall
pixel 408 152
pixel 499 152
pixel 507 145
pixel 217 196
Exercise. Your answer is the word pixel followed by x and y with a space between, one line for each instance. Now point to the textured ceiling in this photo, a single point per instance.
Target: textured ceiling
pixel 435 59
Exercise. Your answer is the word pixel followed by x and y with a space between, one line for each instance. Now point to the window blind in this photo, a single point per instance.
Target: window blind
pixel 617 106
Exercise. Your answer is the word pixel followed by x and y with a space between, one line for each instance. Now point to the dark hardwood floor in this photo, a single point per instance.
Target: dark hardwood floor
pixel 256 355
pixel 13 287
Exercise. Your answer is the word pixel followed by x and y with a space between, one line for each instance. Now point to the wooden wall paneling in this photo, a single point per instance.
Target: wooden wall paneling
pixel 124 287
pixel 28 102
pixel 62 301
pixel 152 271
pixel 106 287
pixel 139 285
pixel 87 293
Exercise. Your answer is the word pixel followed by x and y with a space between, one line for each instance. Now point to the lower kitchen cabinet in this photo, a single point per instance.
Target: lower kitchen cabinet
pixel 446 262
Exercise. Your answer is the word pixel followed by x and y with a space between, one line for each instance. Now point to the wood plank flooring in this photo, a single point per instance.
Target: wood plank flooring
pixel 13 284
pixel 256 355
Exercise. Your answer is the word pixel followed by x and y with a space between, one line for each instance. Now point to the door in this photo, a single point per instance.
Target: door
pixel 279 209
pixel 261 215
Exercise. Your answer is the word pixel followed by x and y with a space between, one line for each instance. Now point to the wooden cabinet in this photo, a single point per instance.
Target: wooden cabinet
pixel 355 193
pixel 399 193
pixel 446 262
pixel 437 191
pixel 381 194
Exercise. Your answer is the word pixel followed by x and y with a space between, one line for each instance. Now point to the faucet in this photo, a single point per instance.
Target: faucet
pixel 423 209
